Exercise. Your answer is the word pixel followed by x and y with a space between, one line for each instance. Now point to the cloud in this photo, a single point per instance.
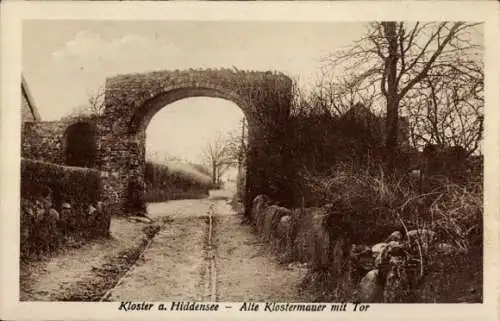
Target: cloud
pixel 84 43
pixel 94 56
pixel 84 62
pixel 89 51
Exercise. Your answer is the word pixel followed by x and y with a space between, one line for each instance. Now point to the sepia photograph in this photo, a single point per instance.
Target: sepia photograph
pixel 286 166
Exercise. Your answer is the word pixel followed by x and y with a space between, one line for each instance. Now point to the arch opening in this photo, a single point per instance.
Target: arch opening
pixel 194 146
pixel 145 113
pixel 81 145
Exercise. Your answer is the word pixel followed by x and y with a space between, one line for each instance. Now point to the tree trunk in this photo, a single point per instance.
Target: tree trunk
pixel 392 94
pixel 214 173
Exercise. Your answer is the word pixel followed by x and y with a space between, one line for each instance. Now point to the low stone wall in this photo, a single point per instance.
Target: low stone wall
pixel 296 235
pixel 59 204
pixel 388 271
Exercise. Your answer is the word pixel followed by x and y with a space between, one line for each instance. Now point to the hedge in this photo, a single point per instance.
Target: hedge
pixel 45 226
pixel 175 181
pixel 74 185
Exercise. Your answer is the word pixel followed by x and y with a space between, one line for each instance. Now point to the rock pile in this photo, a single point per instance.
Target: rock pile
pixel 44 228
pixel 389 270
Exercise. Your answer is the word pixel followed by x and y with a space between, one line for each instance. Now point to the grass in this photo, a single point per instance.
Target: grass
pixel 373 205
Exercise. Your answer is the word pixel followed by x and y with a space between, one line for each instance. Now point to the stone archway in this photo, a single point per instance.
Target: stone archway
pixel 132 100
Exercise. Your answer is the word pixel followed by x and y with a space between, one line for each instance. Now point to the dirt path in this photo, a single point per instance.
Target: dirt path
pixel 172 267
pixel 179 264
pixel 85 273
pixel 246 270
pixel 192 257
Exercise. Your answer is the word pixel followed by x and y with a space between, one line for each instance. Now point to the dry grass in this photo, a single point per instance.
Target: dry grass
pixel 367 207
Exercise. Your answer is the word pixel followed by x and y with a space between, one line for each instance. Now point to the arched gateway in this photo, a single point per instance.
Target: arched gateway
pixel 132 100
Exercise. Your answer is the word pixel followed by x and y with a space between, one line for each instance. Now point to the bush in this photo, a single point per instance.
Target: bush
pixel 321 140
pixel 175 181
pixel 74 185
pixel 45 223
pixel 366 208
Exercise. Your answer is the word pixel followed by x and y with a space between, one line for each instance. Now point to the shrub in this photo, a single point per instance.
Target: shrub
pixel 74 185
pixel 45 224
pixel 366 208
pixel 175 181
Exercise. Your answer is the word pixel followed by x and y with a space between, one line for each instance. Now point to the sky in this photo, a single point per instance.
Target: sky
pixel 171 129
pixel 66 61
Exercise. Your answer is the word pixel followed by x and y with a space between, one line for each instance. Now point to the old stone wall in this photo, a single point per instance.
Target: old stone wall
pixel 44 141
pixel 59 203
pixel 132 100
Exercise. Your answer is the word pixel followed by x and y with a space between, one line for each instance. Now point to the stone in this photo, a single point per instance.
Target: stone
pixel 91 210
pixel 259 203
pixel 425 237
pixel 378 248
pixel 359 249
pixel 271 218
pixel 285 227
pixel 361 257
pixel 368 289
pixel 395 236
pixel 141 219
pixel 446 249
pixel 284 240
pixel 286 219
pixel 395 248
pixel 389 250
pixel 100 206
pixel 53 215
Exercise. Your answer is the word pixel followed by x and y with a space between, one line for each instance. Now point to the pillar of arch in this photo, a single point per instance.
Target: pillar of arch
pixel 131 101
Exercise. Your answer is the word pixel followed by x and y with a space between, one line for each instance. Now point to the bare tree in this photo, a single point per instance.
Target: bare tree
pixel 96 102
pixel 336 95
pixel 94 106
pixel 398 56
pixel 217 155
pixel 237 144
pixel 447 109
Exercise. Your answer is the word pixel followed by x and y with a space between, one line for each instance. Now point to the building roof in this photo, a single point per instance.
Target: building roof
pixel 28 97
